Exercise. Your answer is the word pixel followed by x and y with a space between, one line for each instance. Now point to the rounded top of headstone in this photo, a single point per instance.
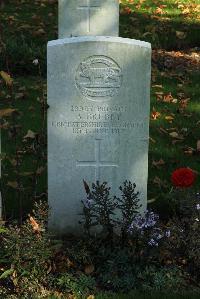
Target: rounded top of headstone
pixel 111 39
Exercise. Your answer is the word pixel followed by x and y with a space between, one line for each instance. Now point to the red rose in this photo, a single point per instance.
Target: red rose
pixel 183 177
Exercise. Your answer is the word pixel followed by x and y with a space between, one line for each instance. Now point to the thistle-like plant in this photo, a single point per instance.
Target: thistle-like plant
pixel 128 204
pixel 99 207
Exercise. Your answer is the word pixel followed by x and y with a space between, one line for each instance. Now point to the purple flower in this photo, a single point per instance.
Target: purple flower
pixel 141 222
pixel 198 206
pixel 158 236
pixel 168 233
pixel 152 242
pixel 87 203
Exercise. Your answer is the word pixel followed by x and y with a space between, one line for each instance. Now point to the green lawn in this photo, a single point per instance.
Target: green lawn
pixel 137 295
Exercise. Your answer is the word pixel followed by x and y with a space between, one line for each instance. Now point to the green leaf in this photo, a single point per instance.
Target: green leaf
pixel 3 230
pixel 6 273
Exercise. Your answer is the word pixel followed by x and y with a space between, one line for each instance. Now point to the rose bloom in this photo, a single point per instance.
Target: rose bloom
pixel 183 177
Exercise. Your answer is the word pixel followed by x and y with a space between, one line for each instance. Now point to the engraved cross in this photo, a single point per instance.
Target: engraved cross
pixel 97 163
pixel 88 8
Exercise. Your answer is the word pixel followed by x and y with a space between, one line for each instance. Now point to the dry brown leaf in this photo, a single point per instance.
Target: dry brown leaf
pixel 89 269
pixel 152 140
pixel 34 224
pixel 7 78
pixel 169 118
pixel 13 184
pixel 7 112
pixel 26 173
pixel 151 200
pixel 155 114
pixel 183 103
pixel 19 96
pixel 157 86
pixel 168 98
pixel 198 145
pixel 175 135
pixel 40 31
pixel 91 297
pixel 181 34
pixel 30 134
pixel 186 11
pixel 159 11
pixel 158 163
pixel 40 170
pixel 157 181
pixel 13 162
pixel 189 151
pixel 162 130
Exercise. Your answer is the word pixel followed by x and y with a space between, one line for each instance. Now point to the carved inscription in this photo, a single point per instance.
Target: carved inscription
pixel 98 78
pixel 99 120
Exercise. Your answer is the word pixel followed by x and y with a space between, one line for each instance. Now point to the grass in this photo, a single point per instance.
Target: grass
pixel 154 21
pixel 138 295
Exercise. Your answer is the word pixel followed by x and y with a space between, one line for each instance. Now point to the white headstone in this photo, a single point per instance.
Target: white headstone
pixel 98 120
pixel 88 17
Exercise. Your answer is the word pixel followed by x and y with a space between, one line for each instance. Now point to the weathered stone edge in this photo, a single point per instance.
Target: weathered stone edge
pixel 81 39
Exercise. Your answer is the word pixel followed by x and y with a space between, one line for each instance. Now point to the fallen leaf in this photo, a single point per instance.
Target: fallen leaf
pixel 158 163
pixel 30 134
pixel 169 118
pixel 162 130
pixel 176 135
pixel 159 11
pixel 40 170
pixel 152 140
pixel 26 173
pixel 183 103
pixel 40 31
pixel 34 224
pixel 189 151
pixel 13 185
pixel 159 182
pixel 157 86
pixel 7 112
pixel 89 269
pixel 181 34
pixel 168 98
pixel 13 162
pixel 155 114
pixel 198 146
pixel 151 200
pixel 19 95
pixel 7 78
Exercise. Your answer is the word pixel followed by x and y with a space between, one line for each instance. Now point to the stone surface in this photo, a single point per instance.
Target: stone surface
pixel 98 120
pixel 88 17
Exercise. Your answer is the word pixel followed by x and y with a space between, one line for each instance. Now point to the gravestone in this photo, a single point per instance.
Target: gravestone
pixel 88 17
pixel 98 120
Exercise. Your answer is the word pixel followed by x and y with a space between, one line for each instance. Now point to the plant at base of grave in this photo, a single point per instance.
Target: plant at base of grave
pixel 116 268
pixel 98 208
pixel 146 236
pixel 183 247
pixel 128 204
pixel 27 251
pixel 162 279
pixel 79 286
